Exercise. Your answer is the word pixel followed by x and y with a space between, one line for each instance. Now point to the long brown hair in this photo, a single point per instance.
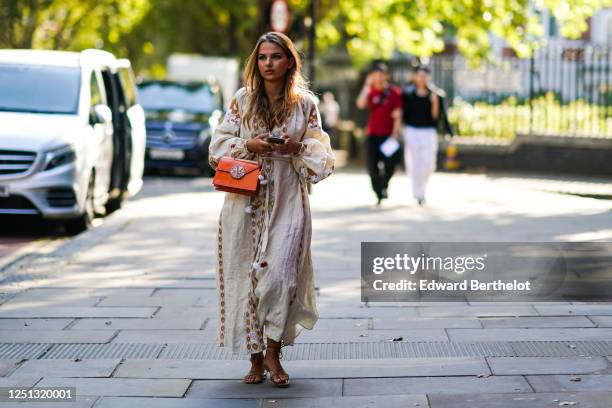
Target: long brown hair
pixel 258 106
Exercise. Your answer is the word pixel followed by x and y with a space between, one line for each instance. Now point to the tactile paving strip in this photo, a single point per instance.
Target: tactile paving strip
pixel 98 351
pixel 310 351
pixel 22 350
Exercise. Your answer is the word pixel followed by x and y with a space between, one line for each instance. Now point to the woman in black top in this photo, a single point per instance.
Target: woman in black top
pixel 421 110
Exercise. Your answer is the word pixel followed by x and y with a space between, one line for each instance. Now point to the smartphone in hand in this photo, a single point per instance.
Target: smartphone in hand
pixel 276 137
pixel 276 140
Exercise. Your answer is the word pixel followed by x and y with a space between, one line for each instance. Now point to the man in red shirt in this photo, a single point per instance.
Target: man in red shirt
pixel 385 104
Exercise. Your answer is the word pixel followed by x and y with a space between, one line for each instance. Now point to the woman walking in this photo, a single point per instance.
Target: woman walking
pixel 385 104
pixel 264 269
pixel 421 110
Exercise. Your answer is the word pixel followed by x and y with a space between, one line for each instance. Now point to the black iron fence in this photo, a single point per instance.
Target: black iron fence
pixel 561 90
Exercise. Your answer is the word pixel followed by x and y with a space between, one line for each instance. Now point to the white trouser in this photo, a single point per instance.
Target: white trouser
pixel 420 151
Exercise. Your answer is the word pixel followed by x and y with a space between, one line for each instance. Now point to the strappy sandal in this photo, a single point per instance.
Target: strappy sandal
pixel 253 377
pixel 279 378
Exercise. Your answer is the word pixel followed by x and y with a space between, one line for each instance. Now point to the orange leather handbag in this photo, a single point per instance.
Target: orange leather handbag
pixel 237 176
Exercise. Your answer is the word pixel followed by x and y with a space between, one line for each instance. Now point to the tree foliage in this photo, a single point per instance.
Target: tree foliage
pixel 68 24
pixel 147 31
pixel 375 29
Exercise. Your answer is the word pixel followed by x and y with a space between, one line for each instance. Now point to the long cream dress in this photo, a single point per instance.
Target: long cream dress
pixel 264 269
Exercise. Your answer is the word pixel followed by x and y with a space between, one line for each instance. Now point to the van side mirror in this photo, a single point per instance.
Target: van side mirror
pixel 102 114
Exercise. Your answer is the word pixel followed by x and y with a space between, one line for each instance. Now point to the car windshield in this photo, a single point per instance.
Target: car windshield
pixel 159 96
pixel 39 88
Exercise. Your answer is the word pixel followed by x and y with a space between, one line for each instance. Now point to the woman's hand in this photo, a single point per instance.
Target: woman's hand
pixel 259 144
pixel 289 147
pixel 362 98
pixel 369 81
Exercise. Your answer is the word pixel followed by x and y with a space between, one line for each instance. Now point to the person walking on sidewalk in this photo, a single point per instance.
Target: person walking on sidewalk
pixel 385 104
pixel 264 268
pixel 421 110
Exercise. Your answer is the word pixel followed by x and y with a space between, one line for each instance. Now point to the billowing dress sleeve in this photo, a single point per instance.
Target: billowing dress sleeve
pixel 227 139
pixel 316 161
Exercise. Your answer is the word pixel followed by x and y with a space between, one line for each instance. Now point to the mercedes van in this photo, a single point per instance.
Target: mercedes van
pixel 72 138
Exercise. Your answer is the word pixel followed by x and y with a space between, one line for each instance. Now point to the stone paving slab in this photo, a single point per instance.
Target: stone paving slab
pixel 556 383
pixel 165 336
pixel 425 323
pixel 148 301
pixel 19 381
pixel 476 311
pixel 547 365
pixel 584 310
pixel 602 321
pixel 69 367
pixel 358 335
pixel 56 311
pixel 54 293
pixel 336 324
pixel 532 400
pixel 176 284
pixel 536 334
pixel 7 366
pixel 435 385
pixel 527 322
pixel 78 281
pixel 236 369
pixel 139 324
pixel 237 389
pixel 429 302
pixel 81 401
pixel 30 302
pixel 34 324
pixel 322 324
pixel 144 402
pixel 194 293
pixel 379 401
pixel 56 336
pixel 357 312
pixel 170 312
pixel 164 402
pixel 181 272
pixel 121 386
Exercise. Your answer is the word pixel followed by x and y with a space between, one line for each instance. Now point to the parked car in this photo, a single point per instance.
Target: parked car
pixel 71 137
pixel 180 119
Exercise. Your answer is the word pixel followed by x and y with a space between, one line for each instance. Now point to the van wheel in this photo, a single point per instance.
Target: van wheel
pixel 79 224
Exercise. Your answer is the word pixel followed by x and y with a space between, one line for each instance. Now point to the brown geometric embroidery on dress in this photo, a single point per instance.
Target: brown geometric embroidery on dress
pixel 254 331
pixel 221 289
pixel 313 119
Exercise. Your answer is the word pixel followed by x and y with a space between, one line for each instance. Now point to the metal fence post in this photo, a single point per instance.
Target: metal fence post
pixel 531 90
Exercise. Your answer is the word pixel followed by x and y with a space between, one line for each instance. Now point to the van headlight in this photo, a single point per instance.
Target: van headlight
pixel 59 156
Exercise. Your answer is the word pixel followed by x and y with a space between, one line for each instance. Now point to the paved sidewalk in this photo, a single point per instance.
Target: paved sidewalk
pixel 126 312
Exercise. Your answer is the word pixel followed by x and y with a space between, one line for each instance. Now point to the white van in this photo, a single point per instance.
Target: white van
pixel 62 154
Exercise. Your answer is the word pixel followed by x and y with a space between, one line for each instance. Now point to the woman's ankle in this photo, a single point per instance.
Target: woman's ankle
pixel 257 356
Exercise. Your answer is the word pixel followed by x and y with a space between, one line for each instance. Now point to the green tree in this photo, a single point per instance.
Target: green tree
pixel 68 24
pixel 375 29
pixel 212 27
pixel 147 31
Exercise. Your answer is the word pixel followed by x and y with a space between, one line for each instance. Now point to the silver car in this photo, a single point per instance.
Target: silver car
pixel 58 145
